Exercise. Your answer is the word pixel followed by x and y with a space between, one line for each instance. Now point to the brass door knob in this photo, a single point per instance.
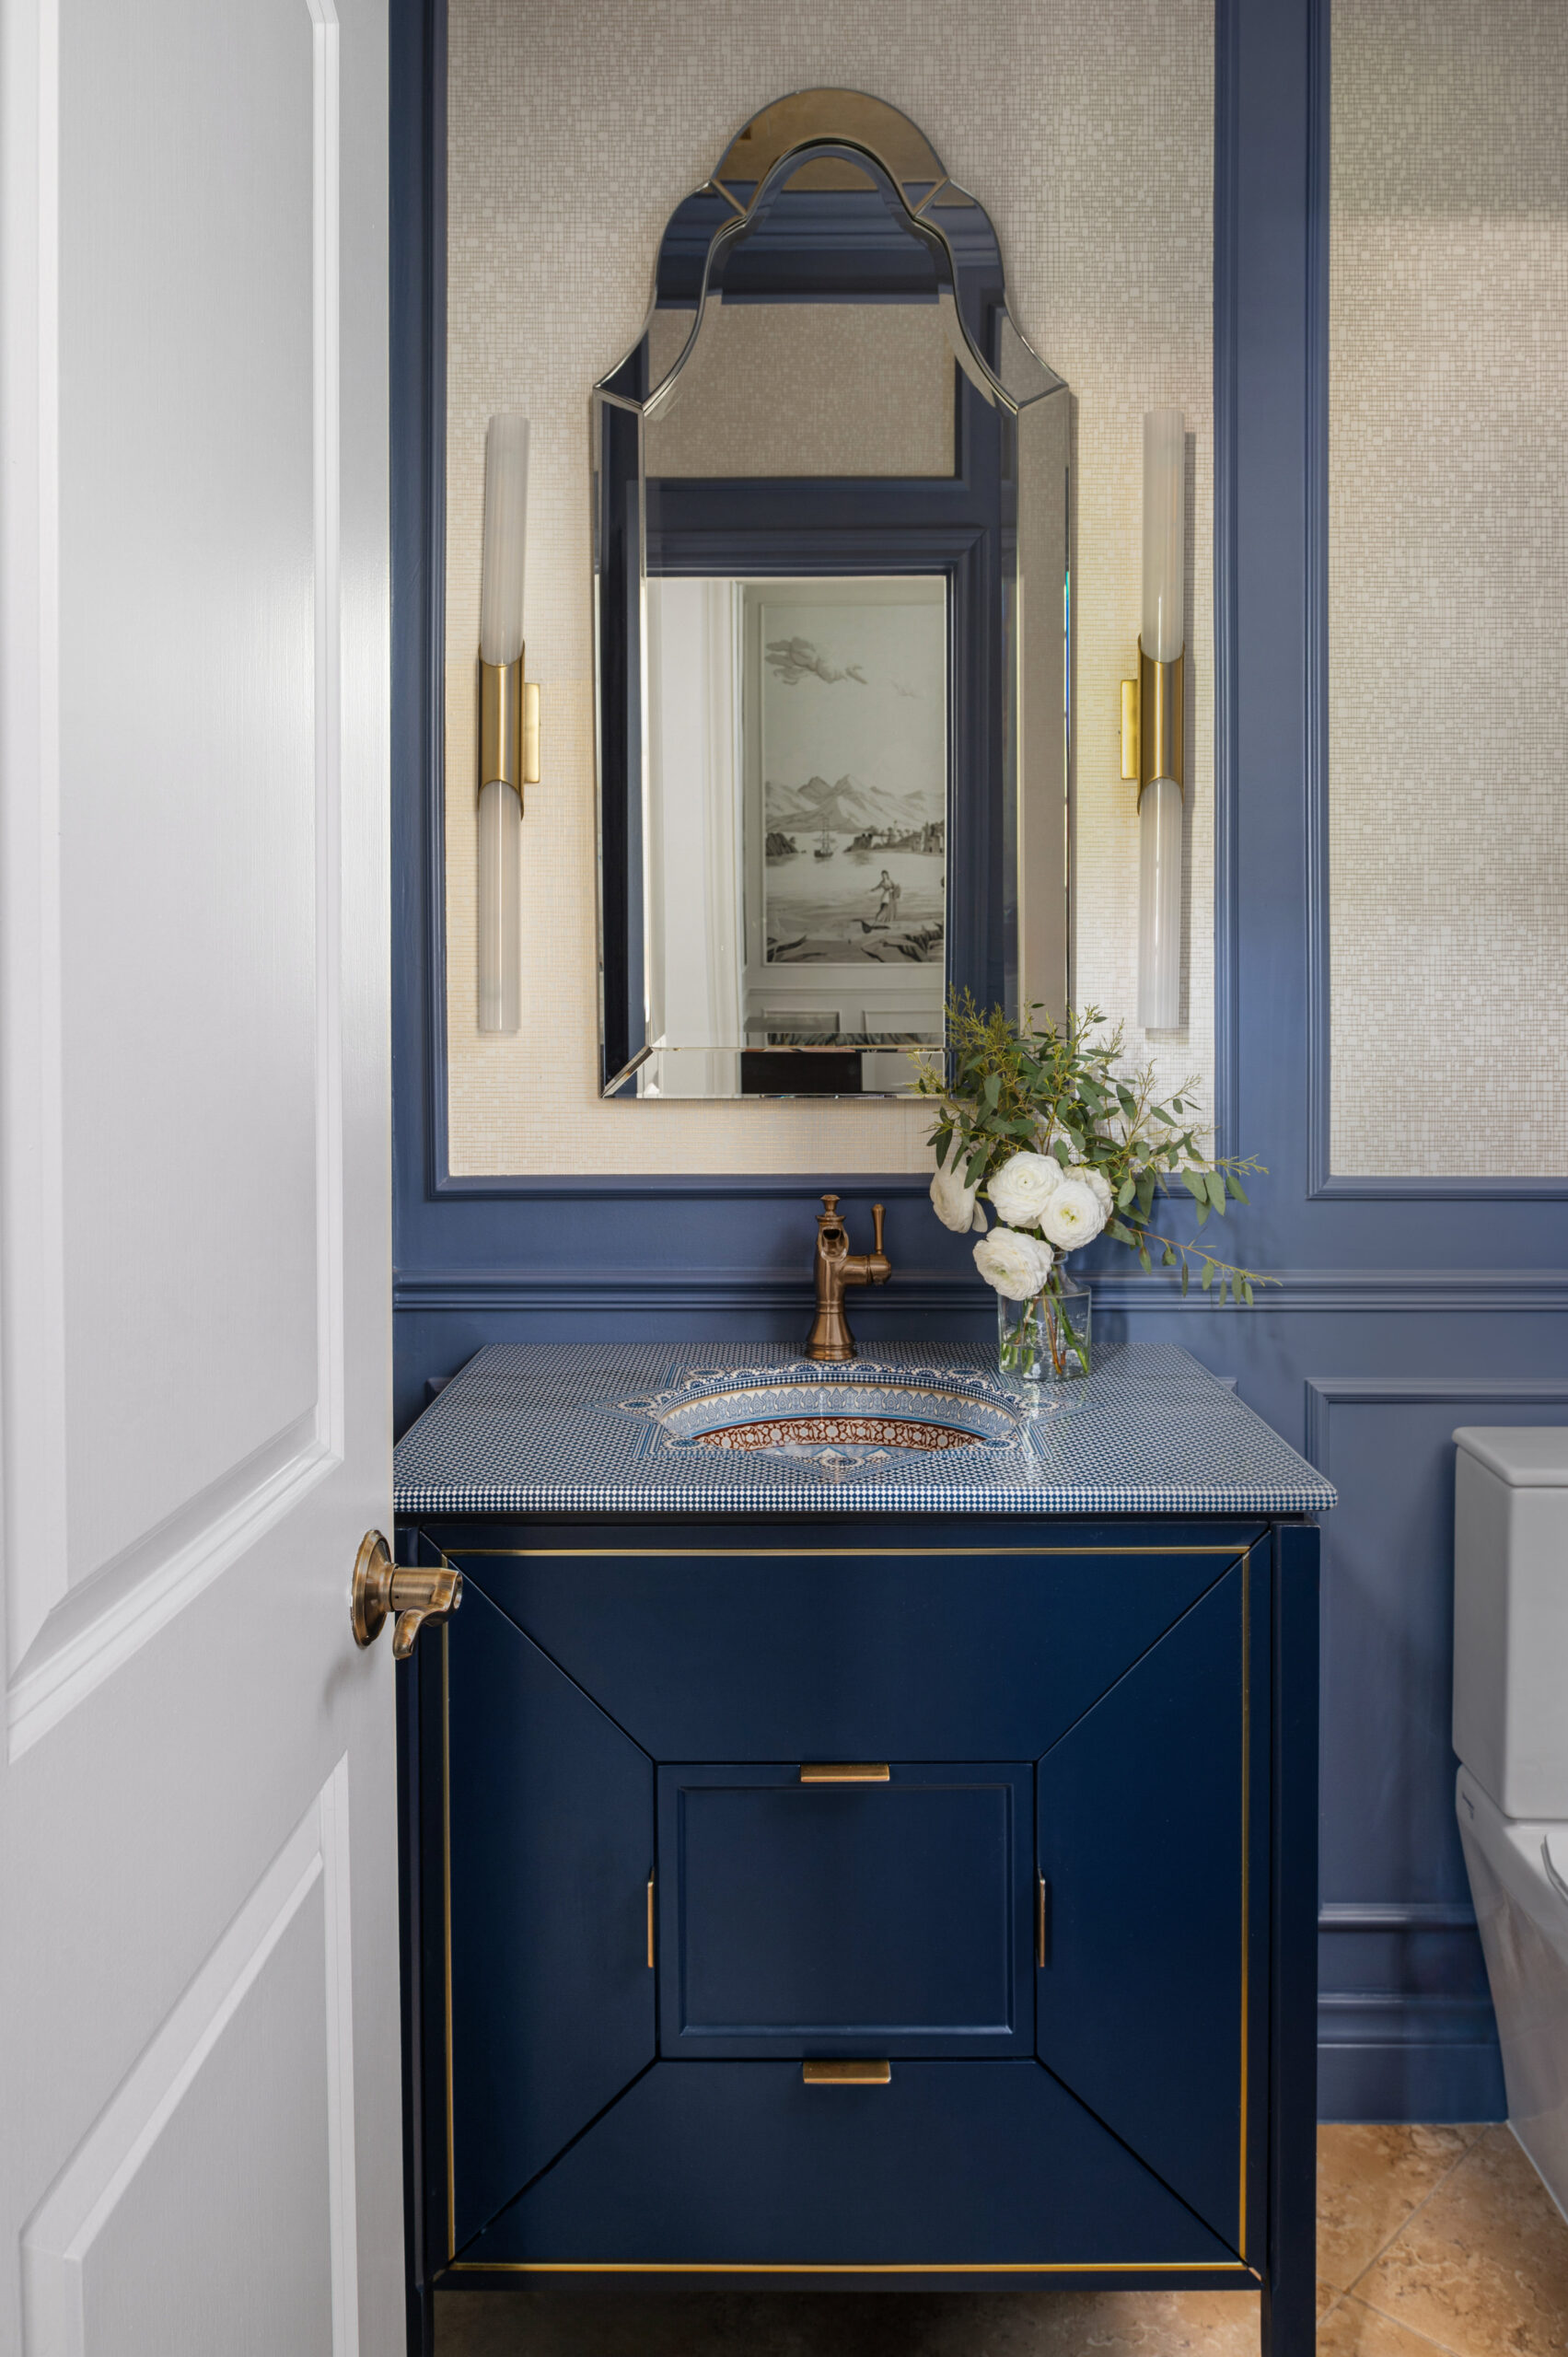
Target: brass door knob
pixel 415 1594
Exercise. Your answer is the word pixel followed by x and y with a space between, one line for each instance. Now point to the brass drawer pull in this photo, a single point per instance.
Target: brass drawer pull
pixel 844 1771
pixel 846 2074
pixel 651 1921
pixel 1043 1918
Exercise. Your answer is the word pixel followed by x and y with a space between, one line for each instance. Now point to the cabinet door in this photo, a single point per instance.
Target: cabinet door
pixel 1143 1828
pixel 550 1812
pixel 800 1917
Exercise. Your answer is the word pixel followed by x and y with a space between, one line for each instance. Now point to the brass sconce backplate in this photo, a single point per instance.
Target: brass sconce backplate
pixel 509 727
pixel 1153 730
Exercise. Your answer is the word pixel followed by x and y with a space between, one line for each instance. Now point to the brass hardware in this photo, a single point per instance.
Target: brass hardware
pixel 1245 1876
pixel 1148 2266
pixel 531 732
pixel 651 1921
pixel 382 1587
pixel 844 1771
pixel 1250 2280
pixel 447 1935
pixel 509 727
pixel 1042 1916
pixel 808 117
pixel 846 2074
pixel 1129 732
pixel 837 1266
pixel 1153 722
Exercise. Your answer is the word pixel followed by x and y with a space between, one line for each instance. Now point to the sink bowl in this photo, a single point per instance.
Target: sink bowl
pixel 864 1416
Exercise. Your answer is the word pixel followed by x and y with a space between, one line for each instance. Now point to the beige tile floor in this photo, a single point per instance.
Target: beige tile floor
pixel 1429 2239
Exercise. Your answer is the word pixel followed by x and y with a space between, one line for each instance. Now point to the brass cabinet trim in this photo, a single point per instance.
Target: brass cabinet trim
pixel 822 1554
pixel 852 2267
pixel 1246 1869
pixel 447 1933
pixel 719 2267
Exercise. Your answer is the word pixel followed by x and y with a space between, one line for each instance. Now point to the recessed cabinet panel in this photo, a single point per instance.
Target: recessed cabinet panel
pixel 820 1918
pixel 1141 2005
pixel 948 2165
pixel 550 1818
pixel 868 1652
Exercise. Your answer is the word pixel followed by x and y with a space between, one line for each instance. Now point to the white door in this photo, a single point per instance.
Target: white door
pixel 199 2076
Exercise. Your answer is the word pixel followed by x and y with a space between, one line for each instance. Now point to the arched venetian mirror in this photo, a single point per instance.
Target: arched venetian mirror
pixel 832 516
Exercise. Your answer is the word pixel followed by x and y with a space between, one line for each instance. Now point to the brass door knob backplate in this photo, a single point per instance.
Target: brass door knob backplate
pixel 416 1595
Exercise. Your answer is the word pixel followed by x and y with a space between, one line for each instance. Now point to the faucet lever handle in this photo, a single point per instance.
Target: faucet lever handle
pixel 876 1223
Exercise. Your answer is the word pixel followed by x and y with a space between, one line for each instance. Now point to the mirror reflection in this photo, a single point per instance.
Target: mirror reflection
pixel 798 812
pixel 831 725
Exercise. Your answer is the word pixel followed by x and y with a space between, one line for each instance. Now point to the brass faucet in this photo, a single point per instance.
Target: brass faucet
pixel 837 1266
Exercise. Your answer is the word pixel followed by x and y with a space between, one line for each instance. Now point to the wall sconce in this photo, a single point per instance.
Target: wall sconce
pixel 1153 722
pixel 508 721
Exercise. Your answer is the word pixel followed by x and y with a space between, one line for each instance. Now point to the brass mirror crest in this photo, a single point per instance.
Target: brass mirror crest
pixel 852 122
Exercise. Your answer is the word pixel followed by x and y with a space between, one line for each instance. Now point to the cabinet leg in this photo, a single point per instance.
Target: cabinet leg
pixel 1290 2318
pixel 1290 2293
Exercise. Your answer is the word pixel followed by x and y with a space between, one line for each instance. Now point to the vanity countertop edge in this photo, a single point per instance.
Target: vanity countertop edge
pixel 563 1428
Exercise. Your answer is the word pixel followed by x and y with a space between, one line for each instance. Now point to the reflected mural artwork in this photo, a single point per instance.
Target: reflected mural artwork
pixel 854 769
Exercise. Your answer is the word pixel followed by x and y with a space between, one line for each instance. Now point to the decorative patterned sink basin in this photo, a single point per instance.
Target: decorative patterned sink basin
pixel 862 1417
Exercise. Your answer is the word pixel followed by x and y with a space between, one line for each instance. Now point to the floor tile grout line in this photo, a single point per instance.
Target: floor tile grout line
pixel 1411 2215
pixel 1424 2338
pixel 1415 2214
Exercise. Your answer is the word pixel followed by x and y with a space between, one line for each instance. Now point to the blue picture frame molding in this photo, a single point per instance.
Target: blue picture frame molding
pixel 1385 1282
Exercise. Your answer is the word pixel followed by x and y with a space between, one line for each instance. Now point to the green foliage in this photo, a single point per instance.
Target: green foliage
pixel 1008 1087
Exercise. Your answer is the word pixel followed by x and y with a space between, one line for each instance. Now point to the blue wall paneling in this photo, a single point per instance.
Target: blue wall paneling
pixel 1391 1287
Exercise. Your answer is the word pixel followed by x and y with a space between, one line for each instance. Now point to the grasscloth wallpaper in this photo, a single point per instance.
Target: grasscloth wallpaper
pixel 1448 587
pixel 574 131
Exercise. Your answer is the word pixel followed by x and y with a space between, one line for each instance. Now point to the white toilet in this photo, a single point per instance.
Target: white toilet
pixel 1511 1733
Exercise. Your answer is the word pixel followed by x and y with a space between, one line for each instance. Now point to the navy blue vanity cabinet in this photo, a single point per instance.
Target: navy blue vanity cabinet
pixel 887 1903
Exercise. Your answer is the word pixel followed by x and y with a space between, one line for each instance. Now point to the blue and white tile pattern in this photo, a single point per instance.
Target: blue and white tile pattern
pixel 543 1428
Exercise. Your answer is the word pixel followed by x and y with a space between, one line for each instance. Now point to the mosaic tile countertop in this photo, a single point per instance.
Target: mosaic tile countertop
pixel 542 1428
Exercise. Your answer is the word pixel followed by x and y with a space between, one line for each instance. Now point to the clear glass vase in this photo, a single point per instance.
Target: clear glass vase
pixel 1042 1344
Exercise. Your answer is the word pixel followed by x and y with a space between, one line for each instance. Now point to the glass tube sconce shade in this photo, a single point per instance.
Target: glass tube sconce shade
pixel 1161 721
pixel 500 784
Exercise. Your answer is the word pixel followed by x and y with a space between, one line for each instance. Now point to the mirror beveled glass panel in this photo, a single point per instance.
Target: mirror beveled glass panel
pixel 831 519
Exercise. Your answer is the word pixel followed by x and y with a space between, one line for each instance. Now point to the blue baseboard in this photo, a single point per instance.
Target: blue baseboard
pixel 1382 2057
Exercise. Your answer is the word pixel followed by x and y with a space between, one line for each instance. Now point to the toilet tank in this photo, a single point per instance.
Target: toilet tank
pixel 1511 1614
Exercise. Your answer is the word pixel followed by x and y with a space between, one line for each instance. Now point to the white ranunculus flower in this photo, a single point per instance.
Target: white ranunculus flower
pixel 1098 1180
pixel 954 1203
pixel 1013 1264
pixel 1073 1215
pixel 1023 1187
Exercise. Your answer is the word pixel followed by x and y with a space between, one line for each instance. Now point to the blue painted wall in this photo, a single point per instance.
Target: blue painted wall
pixel 1393 1323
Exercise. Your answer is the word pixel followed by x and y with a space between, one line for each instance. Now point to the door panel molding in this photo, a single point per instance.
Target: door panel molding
pixel 75 2221
pixel 71 1626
